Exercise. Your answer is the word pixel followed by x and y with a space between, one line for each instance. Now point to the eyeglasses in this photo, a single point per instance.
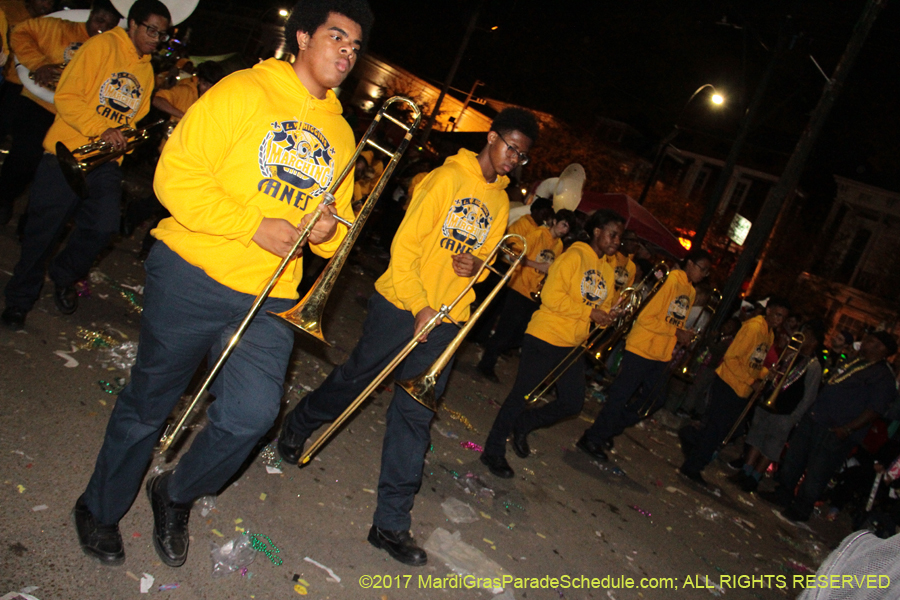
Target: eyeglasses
pixel 156 34
pixel 513 152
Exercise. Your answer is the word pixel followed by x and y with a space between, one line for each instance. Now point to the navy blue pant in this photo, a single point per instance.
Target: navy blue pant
pixel 514 318
pixel 386 331
pixel 51 205
pixel 636 375
pixel 28 130
pixel 538 359
pixel 186 316
pixel 817 451
pixel 725 407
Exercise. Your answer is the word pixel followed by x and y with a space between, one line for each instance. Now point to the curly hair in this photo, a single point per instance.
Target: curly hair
pixel 516 119
pixel 309 15
pixel 600 219
pixel 141 10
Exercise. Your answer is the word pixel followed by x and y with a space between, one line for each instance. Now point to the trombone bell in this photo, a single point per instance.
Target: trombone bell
pixel 421 389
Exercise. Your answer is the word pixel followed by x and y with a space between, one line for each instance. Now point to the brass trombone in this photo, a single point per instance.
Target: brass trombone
pixel 682 368
pixel 308 313
pixel 772 382
pixel 77 163
pixel 627 307
pixel 421 388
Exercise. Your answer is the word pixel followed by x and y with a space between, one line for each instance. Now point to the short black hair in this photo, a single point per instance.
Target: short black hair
pixel 309 15
pixel 141 10
pixel 564 214
pixel 817 329
pixel 600 219
pixel 778 301
pixel 516 119
pixel 696 256
pixel 540 204
pixel 105 6
pixel 211 71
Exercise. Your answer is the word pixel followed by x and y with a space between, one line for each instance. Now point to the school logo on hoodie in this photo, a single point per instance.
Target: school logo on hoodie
pixel 296 161
pixel 678 310
pixel 621 277
pixel 758 357
pixel 466 227
pixel 120 97
pixel 593 288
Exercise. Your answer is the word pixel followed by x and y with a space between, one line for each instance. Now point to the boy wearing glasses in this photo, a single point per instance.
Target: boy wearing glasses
pixel 242 175
pixel 107 85
pixel 457 215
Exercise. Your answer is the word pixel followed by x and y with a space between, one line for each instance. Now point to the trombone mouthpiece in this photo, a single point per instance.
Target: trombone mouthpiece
pixel 328 198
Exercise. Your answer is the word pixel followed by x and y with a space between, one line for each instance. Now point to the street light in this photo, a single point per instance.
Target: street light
pixel 715 97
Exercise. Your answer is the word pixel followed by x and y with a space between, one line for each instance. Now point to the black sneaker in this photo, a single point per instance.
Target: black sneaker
pixel 497 465
pixel 488 374
pixel 694 476
pixel 290 445
pixel 170 522
pixel 592 449
pixel 399 544
pixel 66 298
pixel 520 444
pixel 13 318
pixel 103 542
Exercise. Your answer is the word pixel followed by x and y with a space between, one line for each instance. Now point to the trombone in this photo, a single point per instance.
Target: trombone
pixel 307 315
pixel 628 306
pixel 76 164
pixel 773 381
pixel 421 388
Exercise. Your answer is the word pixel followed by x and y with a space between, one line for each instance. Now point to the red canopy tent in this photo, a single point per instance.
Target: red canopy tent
pixel 637 218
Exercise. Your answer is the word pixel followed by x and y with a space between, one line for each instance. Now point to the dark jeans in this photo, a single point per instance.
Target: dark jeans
pixel 28 129
pixel 514 318
pixel 538 359
pixel 818 452
pixel 51 205
pixel 725 407
pixel 187 315
pixel 386 331
pixel 636 374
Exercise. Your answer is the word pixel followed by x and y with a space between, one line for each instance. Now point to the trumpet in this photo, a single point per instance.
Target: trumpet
pixel 421 388
pixel 307 315
pixel 773 382
pixel 630 301
pixel 536 294
pixel 77 163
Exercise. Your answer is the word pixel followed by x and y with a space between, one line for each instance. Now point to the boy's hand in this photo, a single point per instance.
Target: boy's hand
pixel 422 319
pixel 466 265
pixel 601 317
pixel 277 236
pixel 324 228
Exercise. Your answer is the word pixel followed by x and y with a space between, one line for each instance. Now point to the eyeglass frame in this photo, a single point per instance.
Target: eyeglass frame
pixel 160 35
pixel 520 156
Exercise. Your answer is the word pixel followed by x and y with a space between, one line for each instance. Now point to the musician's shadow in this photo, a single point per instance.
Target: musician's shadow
pixel 608 473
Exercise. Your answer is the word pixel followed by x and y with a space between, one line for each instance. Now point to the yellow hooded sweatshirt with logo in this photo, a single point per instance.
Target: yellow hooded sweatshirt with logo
pixel 743 361
pixel 256 145
pixel 653 334
pixel 542 248
pixel 46 41
pixel 578 282
pixel 625 270
pixel 523 226
pixel 107 84
pixel 453 210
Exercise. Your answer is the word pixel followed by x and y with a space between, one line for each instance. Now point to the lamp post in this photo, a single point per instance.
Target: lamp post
pixel 715 97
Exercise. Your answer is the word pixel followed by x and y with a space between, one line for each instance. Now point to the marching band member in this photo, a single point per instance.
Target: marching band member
pixel 44 46
pixel 580 289
pixel 648 349
pixel 457 216
pixel 234 217
pixel 741 371
pixel 107 85
pixel 544 245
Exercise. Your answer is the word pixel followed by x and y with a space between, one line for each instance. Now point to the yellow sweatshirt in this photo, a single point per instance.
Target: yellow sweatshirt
pixel 46 41
pixel 454 210
pixel 4 43
pixel 14 12
pixel 743 362
pixel 542 248
pixel 182 95
pixel 523 226
pixel 578 282
pixel 255 145
pixel 107 84
pixel 653 334
pixel 625 270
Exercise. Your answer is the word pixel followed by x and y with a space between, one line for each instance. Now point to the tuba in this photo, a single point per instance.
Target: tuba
pixel 421 388
pixel 307 315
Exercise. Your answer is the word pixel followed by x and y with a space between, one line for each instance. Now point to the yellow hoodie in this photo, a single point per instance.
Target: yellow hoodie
pixel 542 248
pixel 578 282
pixel 255 145
pixel 523 226
pixel 653 334
pixel 107 84
pixel 46 41
pixel 625 270
pixel 13 13
pixel 454 210
pixel 743 362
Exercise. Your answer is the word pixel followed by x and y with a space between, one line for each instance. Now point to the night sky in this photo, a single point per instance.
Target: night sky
pixel 639 62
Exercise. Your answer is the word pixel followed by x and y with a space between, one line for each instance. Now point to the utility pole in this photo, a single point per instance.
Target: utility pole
pixel 762 228
pixel 466 104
